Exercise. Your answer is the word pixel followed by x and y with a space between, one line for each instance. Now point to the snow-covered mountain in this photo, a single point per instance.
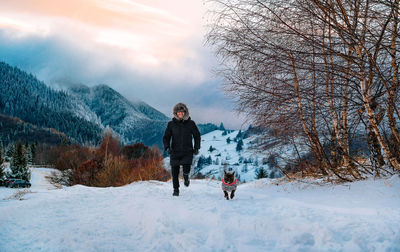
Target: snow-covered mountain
pixel 219 149
pixel 80 112
pixel 25 97
pixel 134 121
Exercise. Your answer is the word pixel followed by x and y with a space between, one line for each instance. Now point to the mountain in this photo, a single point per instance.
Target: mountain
pixel 14 129
pixel 80 112
pixel 24 96
pixel 206 128
pixel 134 121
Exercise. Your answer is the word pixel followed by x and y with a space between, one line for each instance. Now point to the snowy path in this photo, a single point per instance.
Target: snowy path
pixel 363 216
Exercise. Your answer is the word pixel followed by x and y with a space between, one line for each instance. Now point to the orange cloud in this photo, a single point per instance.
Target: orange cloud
pixel 147 34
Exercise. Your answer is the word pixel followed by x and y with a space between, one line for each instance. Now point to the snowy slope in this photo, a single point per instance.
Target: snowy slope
pixel 245 162
pixel 363 216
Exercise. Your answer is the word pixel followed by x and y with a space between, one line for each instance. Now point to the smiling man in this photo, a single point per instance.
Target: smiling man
pixel 181 130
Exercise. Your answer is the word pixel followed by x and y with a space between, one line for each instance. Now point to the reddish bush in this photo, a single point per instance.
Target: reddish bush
pixel 109 164
pixel 87 172
pixel 150 167
pixel 134 151
pixel 109 146
pixel 73 157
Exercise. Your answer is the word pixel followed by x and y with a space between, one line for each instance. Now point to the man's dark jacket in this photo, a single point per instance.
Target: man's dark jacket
pixel 181 132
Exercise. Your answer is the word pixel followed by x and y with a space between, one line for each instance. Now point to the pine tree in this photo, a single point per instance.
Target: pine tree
pixel 221 126
pixel 211 149
pixel 19 163
pixel 209 160
pixel 28 153
pixel 228 140
pixel 239 146
pixel 245 168
pixel 239 135
pixel 33 152
pixel 1 163
pixel 272 175
pixel 200 162
pixel 10 150
pixel 261 173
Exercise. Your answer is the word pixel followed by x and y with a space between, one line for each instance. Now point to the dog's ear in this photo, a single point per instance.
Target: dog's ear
pixel 224 172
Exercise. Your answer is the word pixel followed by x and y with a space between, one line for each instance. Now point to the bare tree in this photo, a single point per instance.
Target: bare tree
pixel 315 69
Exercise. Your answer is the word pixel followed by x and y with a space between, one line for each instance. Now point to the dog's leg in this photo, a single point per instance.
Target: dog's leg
pixel 232 194
pixel 226 195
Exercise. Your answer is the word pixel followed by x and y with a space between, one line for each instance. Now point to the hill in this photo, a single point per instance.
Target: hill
pixel 14 129
pixel 218 152
pixel 25 97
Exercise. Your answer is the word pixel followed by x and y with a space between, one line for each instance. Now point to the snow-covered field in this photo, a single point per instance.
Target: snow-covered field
pixel 362 216
pixel 245 162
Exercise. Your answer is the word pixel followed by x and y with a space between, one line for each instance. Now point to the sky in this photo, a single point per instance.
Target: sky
pixel 149 50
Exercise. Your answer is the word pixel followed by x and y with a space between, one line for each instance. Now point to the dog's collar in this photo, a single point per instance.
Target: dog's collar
pixel 234 182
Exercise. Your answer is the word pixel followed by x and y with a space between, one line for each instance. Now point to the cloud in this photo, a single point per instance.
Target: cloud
pixel 149 50
pixel 142 38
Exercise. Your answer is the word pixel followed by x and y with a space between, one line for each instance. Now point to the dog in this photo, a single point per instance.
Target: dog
pixel 229 183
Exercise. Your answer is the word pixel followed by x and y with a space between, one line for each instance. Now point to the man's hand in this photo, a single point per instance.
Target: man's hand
pixel 168 150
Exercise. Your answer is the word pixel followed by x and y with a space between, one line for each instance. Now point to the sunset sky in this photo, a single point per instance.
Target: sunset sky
pixel 150 50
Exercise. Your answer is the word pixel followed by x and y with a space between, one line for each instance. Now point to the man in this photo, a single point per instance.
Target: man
pixel 181 129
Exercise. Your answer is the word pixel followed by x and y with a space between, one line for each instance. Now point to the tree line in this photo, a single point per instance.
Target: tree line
pixel 19 155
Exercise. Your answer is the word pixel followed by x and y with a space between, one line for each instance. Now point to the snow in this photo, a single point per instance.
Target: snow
pixel 226 154
pixel 265 215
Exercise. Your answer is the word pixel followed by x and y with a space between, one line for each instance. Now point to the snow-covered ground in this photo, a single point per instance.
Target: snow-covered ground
pixel 143 216
pixel 245 162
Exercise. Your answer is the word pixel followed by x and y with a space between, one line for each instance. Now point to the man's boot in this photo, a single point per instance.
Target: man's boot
pixel 176 192
pixel 186 178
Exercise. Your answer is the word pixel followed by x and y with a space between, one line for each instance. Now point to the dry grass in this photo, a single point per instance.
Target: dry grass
pixel 18 195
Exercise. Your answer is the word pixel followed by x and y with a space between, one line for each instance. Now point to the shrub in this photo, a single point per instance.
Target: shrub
pixel 133 151
pixel 108 164
pixel 150 167
pixel 86 173
pixel 72 157
pixel 109 145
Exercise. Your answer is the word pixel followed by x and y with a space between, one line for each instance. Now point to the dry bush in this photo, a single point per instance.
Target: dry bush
pixel 109 146
pixel 117 170
pixel 134 151
pixel 110 175
pixel 148 167
pixel 73 157
pixel 106 165
pixel 18 195
pixel 87 172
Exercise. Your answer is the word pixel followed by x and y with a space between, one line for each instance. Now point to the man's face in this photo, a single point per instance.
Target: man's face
pixel 180 114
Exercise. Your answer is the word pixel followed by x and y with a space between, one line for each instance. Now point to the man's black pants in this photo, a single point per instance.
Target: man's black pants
pixel 175 174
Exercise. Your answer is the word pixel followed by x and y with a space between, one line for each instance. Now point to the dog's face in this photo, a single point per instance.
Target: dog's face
pixel 229 177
